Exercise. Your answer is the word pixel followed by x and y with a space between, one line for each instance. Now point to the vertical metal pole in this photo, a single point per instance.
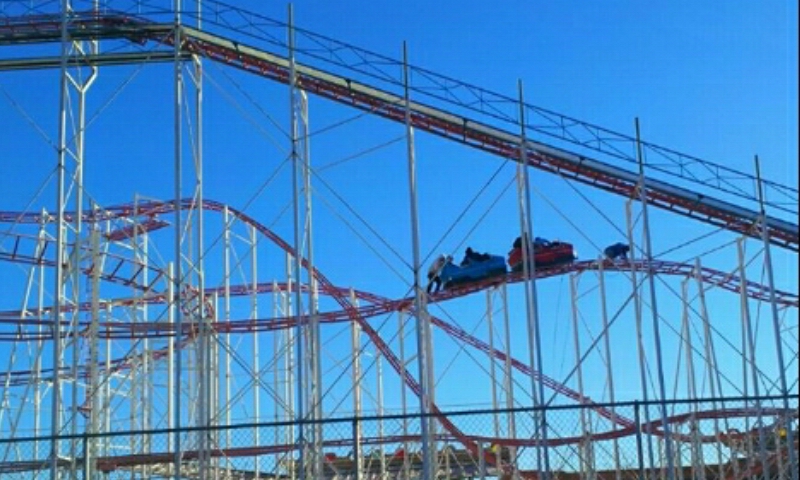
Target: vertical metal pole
pixel 696 446
pixel 299 328
pixel 93 395
pixel 751 349
pixel 256 346
pixel 403 400
pixel 714 380
pixel 609 371
pixel 147 360
pixel 171 344
pixel 586 467
pixel 379 401
pixel 508 382
pixel 531 302
pixel 356 451
pixel 178 229
pixel 226 273
pixel 492 366
pixel 107 392
pixel 209 368
pixel 481 462
pixel 315 333
pixel 61 240
pixel 637 302
pixel 37 367
pixel 355 337
pixel 654 310
pixel 776 324
pixel 278 348
pixel 639 447
pixel 289 363
pixel 420 307
pixel 81 87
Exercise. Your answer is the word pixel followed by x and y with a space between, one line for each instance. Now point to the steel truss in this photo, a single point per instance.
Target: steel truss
pixel 178 335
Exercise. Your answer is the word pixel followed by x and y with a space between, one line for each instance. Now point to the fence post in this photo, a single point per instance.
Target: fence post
pixel 86 459
pixel 481 461
pixel 637 415
pixel 356 458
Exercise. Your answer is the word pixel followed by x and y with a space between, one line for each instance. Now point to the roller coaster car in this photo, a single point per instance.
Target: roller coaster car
pixel 545 255
pixel 453 275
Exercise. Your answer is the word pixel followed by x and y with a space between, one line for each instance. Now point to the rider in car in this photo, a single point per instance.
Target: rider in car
pixel 434 281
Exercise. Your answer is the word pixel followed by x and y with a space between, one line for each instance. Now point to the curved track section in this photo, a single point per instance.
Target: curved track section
pixel 119 314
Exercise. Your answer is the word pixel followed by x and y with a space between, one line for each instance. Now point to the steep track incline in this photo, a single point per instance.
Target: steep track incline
pixel 497 141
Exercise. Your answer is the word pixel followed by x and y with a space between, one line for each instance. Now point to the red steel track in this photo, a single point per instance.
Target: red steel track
pixel 38 29
pixel 115 25
pixel 379 306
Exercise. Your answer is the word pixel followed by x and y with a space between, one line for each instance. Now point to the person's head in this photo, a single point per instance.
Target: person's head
pixel 469 250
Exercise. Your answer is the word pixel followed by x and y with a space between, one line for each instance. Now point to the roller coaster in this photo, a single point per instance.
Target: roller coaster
pixel 146 363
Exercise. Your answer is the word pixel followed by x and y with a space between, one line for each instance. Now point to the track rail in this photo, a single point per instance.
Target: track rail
pixel 380 305
pixel 465 130
pixel 462 129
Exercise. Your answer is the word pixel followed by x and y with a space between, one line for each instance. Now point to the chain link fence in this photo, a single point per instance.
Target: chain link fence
pixel 675 440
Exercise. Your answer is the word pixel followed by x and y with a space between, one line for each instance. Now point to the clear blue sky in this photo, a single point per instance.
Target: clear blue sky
pixel 717 80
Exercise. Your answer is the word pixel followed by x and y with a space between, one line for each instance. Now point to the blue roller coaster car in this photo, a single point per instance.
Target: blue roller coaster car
pixel 453 275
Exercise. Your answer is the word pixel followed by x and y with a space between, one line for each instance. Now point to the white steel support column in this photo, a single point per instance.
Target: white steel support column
pixel 531 300
pixel 37 364
pixel 256 347
pixel 207 366
pixel 147 391
pixel 609 371
pixel 226 289
pixel 508 381
pixel 177 279
pixel 637 306
pixel 70 148
pixel 61 241
pixel 698 468
pixel 305 470
pixel 380 411
pixel 93 398
pixel 587 467
pixel 279 435
pixel 712 371
pixel 492 366
pixel 135 378
pixel 315 335
pixel 427 422
pixel 355 338
pixel 81 83
pixel 665 425
pixel 776 324
pixel 171 348
pixel 401 315
pixel 750 353
pixel 290 341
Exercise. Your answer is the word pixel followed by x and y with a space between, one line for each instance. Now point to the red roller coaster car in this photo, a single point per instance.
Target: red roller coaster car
pixel 545 254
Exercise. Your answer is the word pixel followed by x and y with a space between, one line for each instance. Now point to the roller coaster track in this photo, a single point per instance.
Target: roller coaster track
pixel 32 29
pixel 23 249
pixel 380 305
pixel 502 142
